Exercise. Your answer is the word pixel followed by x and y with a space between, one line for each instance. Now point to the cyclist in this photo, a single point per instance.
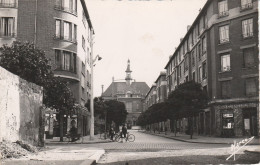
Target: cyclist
pixel 123 132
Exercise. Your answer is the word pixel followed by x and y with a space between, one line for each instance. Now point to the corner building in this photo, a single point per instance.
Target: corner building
pixel 62 28
pixel 220 51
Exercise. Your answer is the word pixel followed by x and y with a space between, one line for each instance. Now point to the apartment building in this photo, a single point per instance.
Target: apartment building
pixel 220 51
pixel 63 29
pixel 150 97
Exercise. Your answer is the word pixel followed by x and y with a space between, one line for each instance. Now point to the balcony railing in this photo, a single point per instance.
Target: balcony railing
pixel 223 14
pixel 59 37
pixel 248 35
pixel 8 5
pixel 7 34
pixel 247 6
pixel 66 9
pixel 224 40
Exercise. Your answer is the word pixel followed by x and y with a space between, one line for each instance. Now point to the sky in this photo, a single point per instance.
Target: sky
pixel 144 31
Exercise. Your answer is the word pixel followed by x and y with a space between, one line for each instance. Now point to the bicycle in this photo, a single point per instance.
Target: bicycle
pixel 129 137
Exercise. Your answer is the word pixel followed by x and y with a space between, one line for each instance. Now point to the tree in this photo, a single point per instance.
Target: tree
pixel 26 61
pixel 116 112
pixel 186 101
pixel 31 64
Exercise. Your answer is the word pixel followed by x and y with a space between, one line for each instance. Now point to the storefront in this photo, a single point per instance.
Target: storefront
pixel 237 120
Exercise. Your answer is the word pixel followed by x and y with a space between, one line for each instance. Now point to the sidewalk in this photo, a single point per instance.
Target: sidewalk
pixel 203 139
pixel 84 140
pixel 64 153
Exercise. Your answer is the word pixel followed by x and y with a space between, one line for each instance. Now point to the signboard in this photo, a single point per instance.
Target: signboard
pixel 247 123
pixel 226 115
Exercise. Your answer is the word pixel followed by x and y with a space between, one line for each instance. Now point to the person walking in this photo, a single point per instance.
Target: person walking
pixel 111 133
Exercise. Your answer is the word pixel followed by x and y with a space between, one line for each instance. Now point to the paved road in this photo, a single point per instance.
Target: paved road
pixel 150 143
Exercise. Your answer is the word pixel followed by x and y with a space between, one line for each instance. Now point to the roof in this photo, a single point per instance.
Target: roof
pixel 87 14
pixel 121 87
pixel 163 73
pixel 189 31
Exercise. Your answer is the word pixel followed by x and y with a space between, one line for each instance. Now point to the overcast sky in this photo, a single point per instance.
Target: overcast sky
pixel 144 31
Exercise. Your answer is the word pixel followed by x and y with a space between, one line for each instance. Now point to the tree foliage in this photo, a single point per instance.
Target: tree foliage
pixel 185 101
pixel 31 64
pixel 26 61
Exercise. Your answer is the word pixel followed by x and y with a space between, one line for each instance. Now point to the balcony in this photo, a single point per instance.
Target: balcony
pixel 8 5
pixel 65 9
pixel 223 14
pixel 66 38
pixel 246 6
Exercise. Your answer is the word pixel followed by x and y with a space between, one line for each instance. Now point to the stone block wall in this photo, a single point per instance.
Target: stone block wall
pixel 20 103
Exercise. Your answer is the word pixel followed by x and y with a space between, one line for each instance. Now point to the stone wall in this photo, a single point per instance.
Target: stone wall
pixel 20 103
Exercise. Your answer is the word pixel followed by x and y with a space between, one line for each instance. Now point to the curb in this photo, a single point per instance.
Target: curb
pixel 78 143
pixel 190 141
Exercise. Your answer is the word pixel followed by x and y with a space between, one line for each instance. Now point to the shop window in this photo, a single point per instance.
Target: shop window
pixel 228 121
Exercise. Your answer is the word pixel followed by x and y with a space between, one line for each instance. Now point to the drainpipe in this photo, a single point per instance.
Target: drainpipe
pixel 35 22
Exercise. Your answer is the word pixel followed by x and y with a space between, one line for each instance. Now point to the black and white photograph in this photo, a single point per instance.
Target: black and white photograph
pixel 129 82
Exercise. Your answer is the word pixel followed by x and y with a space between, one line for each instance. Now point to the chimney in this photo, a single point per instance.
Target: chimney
pixel 113 79
pixel 188 27
pixel 170 56
pixel 181 39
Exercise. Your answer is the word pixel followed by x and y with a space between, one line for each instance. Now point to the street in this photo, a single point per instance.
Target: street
pixel 147 149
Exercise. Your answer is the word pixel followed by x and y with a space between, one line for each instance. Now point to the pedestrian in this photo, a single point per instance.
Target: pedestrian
pixel 111 133
pixel 124 132
pixel 73 131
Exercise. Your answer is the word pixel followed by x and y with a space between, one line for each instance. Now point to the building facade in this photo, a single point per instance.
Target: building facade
pixel 131 93
pixel 62 28
pixel 220 51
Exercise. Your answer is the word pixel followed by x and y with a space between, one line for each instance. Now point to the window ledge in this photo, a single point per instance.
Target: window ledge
pixel 248 37
pixel 59 8
pixel 225 71
pixel 223 43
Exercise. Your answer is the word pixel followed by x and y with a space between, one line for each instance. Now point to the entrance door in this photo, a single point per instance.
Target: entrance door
pixel 250 121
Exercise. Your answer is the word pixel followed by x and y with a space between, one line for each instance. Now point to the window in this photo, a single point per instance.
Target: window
pixel 58 29
pixel 247 28
pixel 225 63
pixel 193 58
pixel 129 106
pixel 7 3
pixel 204 70
pixel 66 5
pixel 200 74
pixel 186 63
pixel 58 61
pixel 246 4
pixel 74 37
pixel 180 71
pixel 251 87
pixel 65 60
pixel 222 8
pixel 7 26
pixel 193 76
pixel 67 31
pixel 83 68
pixel 199 51
pixel 225 89
pixel 83 43
pixel 249 60
pixel 224 34
pixel 187 78
pixel 204 45
pixel 82 81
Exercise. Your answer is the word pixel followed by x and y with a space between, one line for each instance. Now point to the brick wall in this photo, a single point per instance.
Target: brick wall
pixel 20 103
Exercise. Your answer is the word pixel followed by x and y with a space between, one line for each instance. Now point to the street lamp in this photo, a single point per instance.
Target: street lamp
pixel 92 61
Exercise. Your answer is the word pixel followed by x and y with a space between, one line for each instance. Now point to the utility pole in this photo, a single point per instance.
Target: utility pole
pixel 92 87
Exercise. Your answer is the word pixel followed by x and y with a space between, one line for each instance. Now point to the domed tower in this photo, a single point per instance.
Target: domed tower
pixel 128 71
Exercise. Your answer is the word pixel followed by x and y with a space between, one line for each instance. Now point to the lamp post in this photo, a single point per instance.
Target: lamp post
pixel 92 61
